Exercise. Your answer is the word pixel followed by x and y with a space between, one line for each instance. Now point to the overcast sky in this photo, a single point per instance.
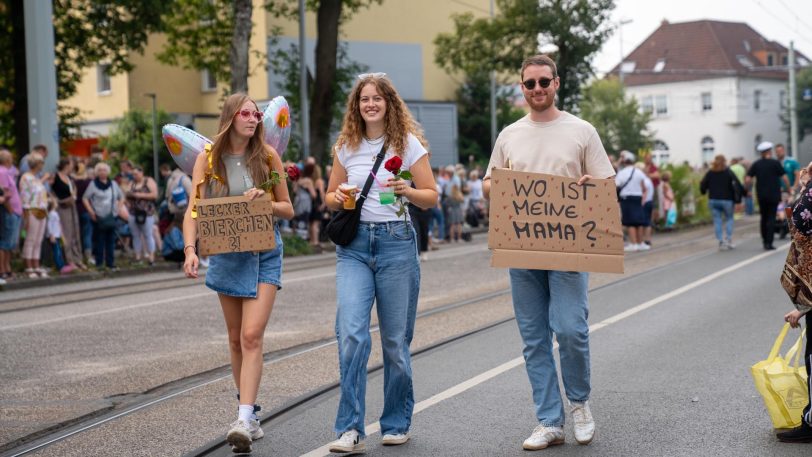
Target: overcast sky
pixel 777 20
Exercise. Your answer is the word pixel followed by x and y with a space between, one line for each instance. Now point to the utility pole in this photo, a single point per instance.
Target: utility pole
pixel 793 105
pixel 620 25
pixel 154 137
pixel 43 124
pixel 305 106
pixel 493 99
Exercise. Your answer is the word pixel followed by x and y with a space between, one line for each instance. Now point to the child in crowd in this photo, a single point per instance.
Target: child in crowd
pixel 54 232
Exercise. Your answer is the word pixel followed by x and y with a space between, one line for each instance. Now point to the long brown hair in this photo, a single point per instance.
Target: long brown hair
pixel 719 163
pixel 256 154
pixel 397 123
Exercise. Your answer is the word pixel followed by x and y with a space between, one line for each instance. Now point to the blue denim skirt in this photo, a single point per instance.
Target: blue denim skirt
pixel 237 274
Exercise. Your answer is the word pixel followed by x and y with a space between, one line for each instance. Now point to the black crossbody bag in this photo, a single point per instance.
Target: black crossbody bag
pixel 343 227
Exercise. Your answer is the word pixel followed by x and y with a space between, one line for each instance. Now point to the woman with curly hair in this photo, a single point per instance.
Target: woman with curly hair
pixel 381 264
pixel 246 283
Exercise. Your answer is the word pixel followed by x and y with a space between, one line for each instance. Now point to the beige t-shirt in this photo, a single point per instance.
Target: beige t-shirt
pixel 567 146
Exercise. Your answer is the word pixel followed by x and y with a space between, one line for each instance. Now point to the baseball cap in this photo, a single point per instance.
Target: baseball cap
pixel 764 146
pixel 627 156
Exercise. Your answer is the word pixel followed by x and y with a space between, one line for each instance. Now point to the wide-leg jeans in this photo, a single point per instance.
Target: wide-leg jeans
pixel 546 303
pixel 381 265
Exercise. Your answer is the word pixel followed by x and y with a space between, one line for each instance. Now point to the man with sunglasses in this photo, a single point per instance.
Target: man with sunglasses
pixel 548 140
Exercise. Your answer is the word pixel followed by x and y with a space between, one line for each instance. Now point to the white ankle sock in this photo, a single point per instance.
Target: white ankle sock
pixel 246 411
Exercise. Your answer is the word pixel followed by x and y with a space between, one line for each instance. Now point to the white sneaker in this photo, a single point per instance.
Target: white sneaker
pixel 394 439
pixel 242 433
pixel 630 248
pixel 544 436
pixel 349 443
pixel 584 424
pixel 643 247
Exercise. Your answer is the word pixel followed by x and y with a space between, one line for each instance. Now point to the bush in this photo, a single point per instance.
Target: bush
pixel 295 246
pixel 692 206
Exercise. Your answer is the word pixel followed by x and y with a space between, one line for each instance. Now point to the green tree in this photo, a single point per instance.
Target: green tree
pixel 131 137
pixel 803 81
pixel 330 15
pixel 616 116
pixel 285 62
pixel 577 27
pixel 475 122
pixel 85 32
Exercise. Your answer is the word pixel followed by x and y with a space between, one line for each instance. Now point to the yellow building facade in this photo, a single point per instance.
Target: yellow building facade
pixel 395 37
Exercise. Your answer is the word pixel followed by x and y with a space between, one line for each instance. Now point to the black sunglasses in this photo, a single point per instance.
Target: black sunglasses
pixel 530 84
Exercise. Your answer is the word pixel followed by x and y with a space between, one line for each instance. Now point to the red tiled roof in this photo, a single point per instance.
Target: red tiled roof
pixel 701 50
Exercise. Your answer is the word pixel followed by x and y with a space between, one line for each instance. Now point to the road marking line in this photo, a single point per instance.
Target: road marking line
pixel 453 391
pixel 143 305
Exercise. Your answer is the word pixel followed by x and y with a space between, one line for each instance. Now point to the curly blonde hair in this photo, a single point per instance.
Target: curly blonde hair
pixel 256 154
pixel 398 121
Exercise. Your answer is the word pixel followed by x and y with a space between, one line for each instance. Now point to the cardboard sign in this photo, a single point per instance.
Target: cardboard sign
pixel 235 224
pixel 547 222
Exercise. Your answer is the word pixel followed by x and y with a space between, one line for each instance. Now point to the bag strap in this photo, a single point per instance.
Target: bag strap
pixel 631 175
pixel 795 351
pixel 778 342
pixel 368 184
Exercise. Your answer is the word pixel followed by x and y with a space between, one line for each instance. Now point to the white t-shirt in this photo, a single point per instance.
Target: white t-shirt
pixel 635 186
pixel 649 189
pixel 567 146
pixel 54 226
pixel 358 164
pixel 475 188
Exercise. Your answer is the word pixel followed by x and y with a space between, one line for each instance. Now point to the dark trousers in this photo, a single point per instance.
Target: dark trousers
pixel 421 218
pixel 104 246
pixel 767 208
pixel 807 415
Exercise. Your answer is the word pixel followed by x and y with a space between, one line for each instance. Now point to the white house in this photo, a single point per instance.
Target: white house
pixel 712 87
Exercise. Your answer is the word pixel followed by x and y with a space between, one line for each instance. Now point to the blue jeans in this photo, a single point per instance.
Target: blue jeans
pixel 721 208
pixel 59 260
pixel 437 219
pixel 547 302
pixel 380 265
pixel 86 225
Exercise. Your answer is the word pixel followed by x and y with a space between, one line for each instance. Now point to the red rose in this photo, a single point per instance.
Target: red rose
pixel 293 173
pixel 393 165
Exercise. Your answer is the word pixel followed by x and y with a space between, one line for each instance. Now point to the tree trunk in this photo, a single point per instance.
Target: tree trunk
pixel 321 107
pixel 240 45
pixel 19 110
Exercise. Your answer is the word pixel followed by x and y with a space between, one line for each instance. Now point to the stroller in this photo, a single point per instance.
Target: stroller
pixel 781 216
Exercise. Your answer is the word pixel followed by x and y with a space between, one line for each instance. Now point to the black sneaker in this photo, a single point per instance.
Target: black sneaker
pixel 801 434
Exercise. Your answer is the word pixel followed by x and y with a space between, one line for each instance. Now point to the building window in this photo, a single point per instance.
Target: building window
pixel 658 67
pixel 757 100
pixel 661 105
pixel 660 154
pixel 209 83
pixel 707 101
pixel 708 149
pixel 744 61
pixel 784 60
pixel 647 104
pixel 770 59
pixel 782 100
pixel 103 79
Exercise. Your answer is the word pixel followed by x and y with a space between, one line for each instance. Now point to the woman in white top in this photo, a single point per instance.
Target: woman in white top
pixel 631 185
pixel 381 264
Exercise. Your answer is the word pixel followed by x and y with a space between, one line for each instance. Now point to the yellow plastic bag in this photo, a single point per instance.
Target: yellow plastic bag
pixel 781 381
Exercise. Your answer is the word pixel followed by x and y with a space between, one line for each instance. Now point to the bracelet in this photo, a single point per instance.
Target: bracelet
pixel 189 246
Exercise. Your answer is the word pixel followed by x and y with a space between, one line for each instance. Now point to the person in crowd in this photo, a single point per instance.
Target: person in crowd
pixel 738 169
pixel 791 167
pixel 437 215
pixel 103 200
pixel 12 211
pixel 546 302
pixel 475 198
pixel 178 193
pixel 452 204
pixel 246 282
pixel 141 198
pixel 802 220
pixel 304 197
pixel 164 172
pixel 82 178
pixel 631 185
pixel 34 198
pixel 721 185
pixel 64 189
pixel 125 174
pixel 42 151
pixel 313 172
pixel 381 264
pixel 768 173
pixel 669 205
pixel 54 232
pixel 648 207
pixel 172 250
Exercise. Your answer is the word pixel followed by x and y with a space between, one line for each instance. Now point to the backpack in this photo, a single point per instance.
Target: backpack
pixel 179 196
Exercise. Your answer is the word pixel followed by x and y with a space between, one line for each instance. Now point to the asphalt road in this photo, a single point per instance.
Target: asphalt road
pixel 152 362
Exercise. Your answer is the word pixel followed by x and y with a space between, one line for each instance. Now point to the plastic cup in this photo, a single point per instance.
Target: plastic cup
pixel 351 190
pixel 387 198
